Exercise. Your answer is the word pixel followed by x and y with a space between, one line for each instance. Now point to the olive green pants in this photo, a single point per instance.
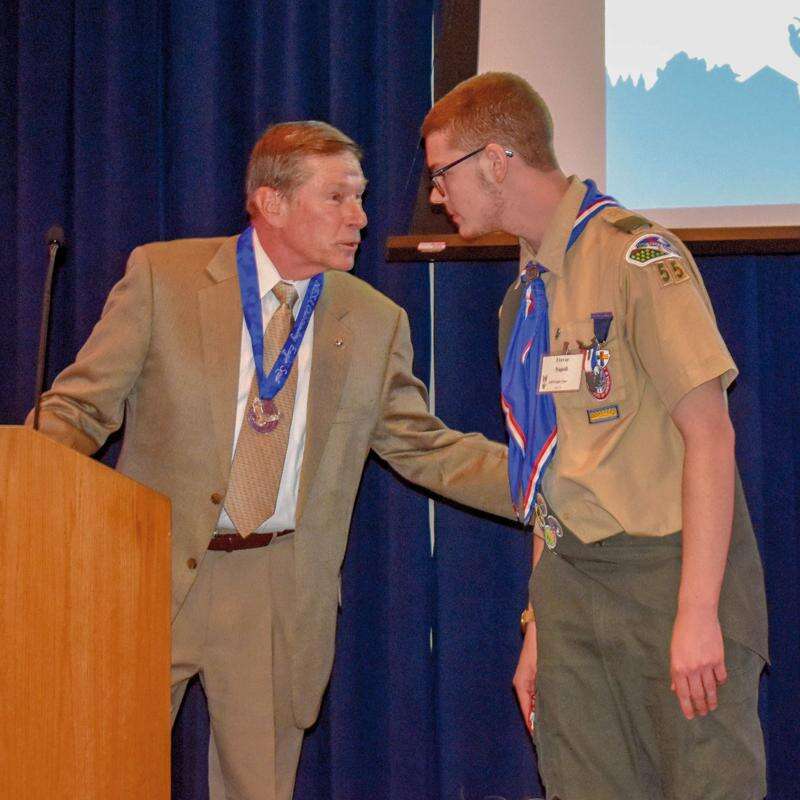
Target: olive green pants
pixel 607 725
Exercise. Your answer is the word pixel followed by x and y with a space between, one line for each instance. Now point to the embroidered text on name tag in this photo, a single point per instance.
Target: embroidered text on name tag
pixel 561 373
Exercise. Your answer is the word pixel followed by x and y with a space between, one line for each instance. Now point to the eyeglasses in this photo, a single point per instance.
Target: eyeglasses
pixel 442 171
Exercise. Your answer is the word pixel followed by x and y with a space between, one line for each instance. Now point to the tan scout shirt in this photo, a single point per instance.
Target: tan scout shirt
pixel 619 461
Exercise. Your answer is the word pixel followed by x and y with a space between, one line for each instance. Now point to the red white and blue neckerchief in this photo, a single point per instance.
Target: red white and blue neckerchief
pixel 530 416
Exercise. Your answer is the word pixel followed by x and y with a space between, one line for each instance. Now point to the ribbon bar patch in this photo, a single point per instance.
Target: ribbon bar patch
pixel 604 414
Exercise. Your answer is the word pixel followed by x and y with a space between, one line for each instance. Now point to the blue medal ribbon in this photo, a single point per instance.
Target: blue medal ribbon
pixel 530 416
pixel 269 384
pixel 602 325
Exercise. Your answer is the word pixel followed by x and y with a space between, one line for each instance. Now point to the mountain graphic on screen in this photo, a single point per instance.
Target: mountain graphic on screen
pixel 794 36
pixel 701 137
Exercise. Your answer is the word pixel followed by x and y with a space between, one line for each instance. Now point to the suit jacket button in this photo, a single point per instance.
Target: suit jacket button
pixel 192 563
pixel 216 498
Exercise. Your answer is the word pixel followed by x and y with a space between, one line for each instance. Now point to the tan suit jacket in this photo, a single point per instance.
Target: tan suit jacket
pixel 165 357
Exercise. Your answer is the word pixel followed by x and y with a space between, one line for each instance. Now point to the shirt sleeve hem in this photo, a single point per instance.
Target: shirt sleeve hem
pixel 697 374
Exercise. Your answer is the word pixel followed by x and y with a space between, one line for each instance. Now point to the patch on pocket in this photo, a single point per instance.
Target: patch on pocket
pixel 604 414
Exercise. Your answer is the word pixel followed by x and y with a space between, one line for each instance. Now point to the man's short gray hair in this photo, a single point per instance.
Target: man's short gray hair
pixel 278 158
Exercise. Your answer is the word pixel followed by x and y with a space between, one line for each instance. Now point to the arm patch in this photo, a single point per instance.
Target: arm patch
pixel 672 271
pixel 649 249
pixel 658 252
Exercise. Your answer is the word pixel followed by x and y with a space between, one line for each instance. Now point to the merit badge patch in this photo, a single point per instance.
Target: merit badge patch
pixel 649 249
pixel 552 532
pixel 541 508
pixel 598 382
pixel 677 266
pixel 604 414
pixel 672 271
pixel 594 357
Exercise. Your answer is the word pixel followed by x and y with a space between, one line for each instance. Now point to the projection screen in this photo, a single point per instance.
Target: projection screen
pixel 688 110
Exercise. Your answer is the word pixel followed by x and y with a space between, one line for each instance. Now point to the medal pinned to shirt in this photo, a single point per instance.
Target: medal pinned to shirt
pixel 263 415
pixel 596 357
pixel 562 372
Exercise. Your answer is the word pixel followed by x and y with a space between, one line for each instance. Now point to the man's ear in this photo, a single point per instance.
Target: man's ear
pixel 498 161
pixel 270 204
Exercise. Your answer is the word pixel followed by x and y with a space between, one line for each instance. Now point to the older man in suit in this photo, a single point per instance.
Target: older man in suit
pixel 262 465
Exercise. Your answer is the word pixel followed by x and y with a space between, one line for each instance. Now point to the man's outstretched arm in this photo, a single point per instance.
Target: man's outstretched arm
pixel 464 467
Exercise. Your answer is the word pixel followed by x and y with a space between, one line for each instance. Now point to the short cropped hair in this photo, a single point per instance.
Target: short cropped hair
pixel 278 158
pixel 496 107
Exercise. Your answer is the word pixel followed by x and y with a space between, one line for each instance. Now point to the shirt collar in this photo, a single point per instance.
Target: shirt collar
pixel 554 242
pixel 268 275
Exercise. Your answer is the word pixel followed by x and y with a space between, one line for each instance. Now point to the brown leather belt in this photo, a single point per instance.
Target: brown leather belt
pixel 228 542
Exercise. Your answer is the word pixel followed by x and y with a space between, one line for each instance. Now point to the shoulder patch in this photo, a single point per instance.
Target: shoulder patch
pixel 658 251
pixel 649 249
pixel 626 221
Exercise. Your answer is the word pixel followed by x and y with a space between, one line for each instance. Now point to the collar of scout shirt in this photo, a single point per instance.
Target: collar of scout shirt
pixel 268 275
pixel 554 242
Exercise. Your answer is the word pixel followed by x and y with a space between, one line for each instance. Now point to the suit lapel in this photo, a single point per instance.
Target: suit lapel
pixel 221 326
pixel 331 353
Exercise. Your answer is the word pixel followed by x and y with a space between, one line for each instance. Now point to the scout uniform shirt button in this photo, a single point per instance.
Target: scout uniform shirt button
pixel 216 498
pixel 192 563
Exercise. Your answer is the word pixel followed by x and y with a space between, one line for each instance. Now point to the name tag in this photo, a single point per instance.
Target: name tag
pixel 561 373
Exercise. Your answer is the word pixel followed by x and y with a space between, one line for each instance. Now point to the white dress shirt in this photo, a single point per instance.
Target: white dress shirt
pixel 286 504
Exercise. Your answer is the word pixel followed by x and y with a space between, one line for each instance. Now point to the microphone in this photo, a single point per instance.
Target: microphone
pixel 55 235
pixel 55 241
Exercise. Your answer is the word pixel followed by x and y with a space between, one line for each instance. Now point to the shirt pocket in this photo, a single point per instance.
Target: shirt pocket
pixel 608 383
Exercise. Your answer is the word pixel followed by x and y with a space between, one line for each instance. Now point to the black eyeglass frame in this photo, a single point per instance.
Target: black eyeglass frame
pixel 442 171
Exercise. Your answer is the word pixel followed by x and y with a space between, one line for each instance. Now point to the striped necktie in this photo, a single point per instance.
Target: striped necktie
pixel 257 464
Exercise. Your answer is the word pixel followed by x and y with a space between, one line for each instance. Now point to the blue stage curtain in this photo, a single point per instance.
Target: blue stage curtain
pixel 130 122
pixel 482 572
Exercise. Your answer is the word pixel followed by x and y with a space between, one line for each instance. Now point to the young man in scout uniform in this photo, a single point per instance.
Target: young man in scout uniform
pixel 646 629
pixel 255 374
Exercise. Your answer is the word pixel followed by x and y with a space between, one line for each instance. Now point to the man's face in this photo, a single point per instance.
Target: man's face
pixel 320 223
pixel 469 199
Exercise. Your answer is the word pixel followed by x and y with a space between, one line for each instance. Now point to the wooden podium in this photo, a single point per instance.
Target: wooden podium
pixel 84 627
